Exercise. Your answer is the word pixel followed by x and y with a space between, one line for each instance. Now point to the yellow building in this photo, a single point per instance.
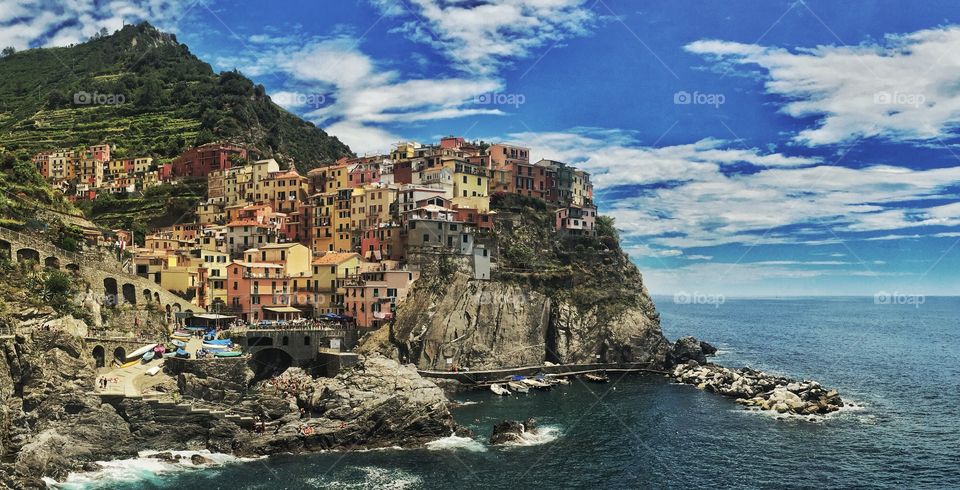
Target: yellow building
pixel 63 165
pixel 329 272
pixel 323 211
pixel 216 264
pixel 470 186
pixel 294 257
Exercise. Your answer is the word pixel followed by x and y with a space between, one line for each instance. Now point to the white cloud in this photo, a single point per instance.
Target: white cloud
pixel 482 36
pixel 905 88
pixel 359 98
pixel 690 200
pixel 32 23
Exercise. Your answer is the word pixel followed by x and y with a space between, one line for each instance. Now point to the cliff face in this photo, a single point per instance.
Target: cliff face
pixel 554 298
pixel 52 422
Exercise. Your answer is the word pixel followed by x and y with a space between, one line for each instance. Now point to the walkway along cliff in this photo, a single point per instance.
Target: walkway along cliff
pixel 570 299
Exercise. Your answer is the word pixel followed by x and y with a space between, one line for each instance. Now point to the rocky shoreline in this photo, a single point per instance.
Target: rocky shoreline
pixel 759 390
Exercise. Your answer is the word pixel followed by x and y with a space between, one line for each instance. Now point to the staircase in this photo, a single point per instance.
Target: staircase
pixel 197 407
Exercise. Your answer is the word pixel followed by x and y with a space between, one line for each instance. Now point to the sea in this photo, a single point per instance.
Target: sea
pixel 897 364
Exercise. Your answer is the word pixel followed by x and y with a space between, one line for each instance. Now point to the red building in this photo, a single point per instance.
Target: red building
pixel 200 161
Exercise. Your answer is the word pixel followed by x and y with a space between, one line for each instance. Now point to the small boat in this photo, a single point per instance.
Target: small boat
pixel 179 344
pixel 596 378
pixel 153 371
pixel 182 333
pixel 182 354
pixel 534 383
pixel 561 381
pixel 168 355
pixel 518 387
pixel 148 356
pixel 141 351
pixel 159 350
pixel 228 353
pixel 130 364
pixel 207 346
pixel 182 339
pixel 499 390
pixel 219 342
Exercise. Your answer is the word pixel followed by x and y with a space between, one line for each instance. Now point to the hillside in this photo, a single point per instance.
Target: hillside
pixel 152 97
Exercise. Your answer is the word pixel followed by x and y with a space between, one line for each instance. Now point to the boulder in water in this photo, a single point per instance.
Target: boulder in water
pixel 510 431
pixel 198 459
pixel 688 349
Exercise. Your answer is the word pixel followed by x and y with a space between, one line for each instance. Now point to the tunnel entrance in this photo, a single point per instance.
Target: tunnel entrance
pixel 100 356
pixel 268 363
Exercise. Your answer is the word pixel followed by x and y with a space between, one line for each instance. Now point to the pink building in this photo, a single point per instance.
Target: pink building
pixel 577 220
pixel 371 297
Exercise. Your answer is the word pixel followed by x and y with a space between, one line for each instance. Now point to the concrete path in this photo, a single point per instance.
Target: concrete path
pixel 122 379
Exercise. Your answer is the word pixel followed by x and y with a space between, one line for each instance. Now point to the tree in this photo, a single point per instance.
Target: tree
pixel 150 93
pixel 7 51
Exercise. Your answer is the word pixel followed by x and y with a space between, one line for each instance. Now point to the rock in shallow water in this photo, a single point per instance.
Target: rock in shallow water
pixel 759 390
pixel 510 431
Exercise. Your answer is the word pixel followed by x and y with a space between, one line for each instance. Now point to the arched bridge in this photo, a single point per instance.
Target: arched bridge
pixel 105 275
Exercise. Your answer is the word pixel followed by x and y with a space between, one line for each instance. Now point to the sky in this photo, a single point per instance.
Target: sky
pixel 761 148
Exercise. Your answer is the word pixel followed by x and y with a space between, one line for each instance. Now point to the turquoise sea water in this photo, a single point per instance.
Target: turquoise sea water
pixel 901 363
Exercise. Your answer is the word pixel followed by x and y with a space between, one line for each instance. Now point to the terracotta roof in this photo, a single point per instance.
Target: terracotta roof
pixel 333 258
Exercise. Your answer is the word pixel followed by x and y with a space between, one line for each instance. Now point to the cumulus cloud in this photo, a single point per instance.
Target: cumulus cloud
pixel 905 88
pixel 686 196
pixel 482 36
pixel 359 99
pixel 40 23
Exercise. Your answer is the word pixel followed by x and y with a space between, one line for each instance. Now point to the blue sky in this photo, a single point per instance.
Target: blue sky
pixel 745 148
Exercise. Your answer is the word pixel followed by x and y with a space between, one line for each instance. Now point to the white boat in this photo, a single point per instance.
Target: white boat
pixel 533 383
pixel 153 371
pixel 518 387
pixel 499 390
pixel 215 347
pixel 141 351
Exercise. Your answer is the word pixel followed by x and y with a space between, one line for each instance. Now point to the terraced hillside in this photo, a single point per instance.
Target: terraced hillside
pixel 144 91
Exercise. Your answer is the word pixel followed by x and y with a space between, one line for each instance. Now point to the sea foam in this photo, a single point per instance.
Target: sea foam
pixel 142 468
pixel 453 442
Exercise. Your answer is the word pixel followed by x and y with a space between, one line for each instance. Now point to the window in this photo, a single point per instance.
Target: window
pixel 306 340
pixel 426 238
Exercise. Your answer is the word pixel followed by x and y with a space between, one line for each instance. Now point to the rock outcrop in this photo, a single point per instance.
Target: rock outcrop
pixel 52 422
pixel 511 432
pixel 483 324
pixel 759 390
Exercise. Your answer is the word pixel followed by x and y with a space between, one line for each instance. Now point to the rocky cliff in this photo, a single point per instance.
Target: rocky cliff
pixel 552 298
pixel 52 422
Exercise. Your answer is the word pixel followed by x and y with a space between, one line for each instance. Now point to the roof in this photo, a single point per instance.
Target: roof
pixel 280 245
pixel 281 309
pixel 331 258
pixel 212 316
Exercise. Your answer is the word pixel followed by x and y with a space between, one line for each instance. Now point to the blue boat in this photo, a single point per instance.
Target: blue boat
pixel 219 342
pixel 182 354
pixel 148 356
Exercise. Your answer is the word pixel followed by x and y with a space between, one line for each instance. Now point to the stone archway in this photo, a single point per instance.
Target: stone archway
pixel 110 292
pixel 270 362
pixel 147 296
pixel 120 355
pixel 28 254
pixel 51 262
pixel 130 293
pixel 99 355
pixel 156 297
pixel 73 267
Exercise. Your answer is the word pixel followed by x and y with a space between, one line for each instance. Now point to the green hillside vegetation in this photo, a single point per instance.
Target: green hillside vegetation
pixel 142 90
pixel 158 206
